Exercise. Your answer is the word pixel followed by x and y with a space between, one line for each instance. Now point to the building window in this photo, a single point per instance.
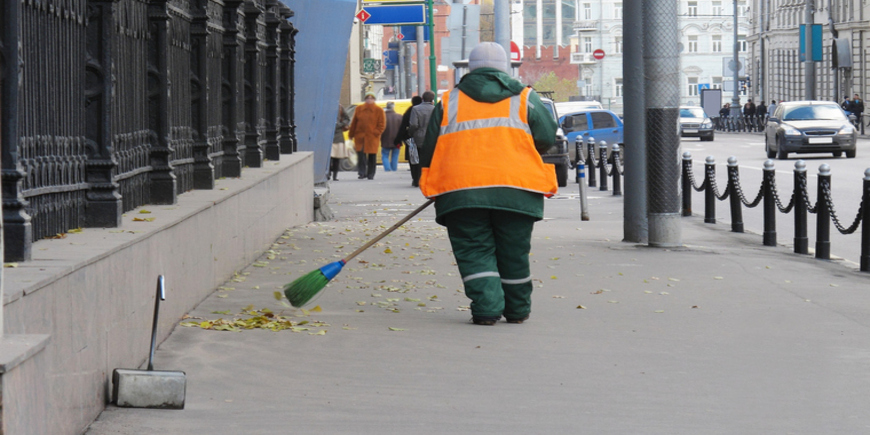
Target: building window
pixel 617 11
pixel 693 43
pixel 588 89
pixel 717 8
pixel 742 9
pixel 741 43
pixel 693 9
pixel 617 87
pixel 717 83
pixel 587 44
pixel 587 11
pixel 693 87
pixel 617 44
pixel 717 43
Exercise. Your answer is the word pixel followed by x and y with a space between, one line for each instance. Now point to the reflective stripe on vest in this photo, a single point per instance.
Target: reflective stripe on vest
pixel 483 145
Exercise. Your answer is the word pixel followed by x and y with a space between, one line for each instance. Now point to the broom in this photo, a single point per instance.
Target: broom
pixel 304 288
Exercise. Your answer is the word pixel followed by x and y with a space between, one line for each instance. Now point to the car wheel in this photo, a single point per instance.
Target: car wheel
pixel 770 153
pixel 850 154
pixel 838 153
pixel 781 153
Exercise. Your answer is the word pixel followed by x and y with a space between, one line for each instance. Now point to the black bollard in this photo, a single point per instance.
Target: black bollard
pixel 602 165
pixel 823 215
pixel 687 184
pixel 590 161
pixel 736 205
pixel 617 179
pixel 769 235
pixel 801 242
pixel 709 195
pixel 865 224
pixel 578 157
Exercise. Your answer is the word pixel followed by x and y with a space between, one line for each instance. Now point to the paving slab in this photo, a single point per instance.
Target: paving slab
pixel 719 336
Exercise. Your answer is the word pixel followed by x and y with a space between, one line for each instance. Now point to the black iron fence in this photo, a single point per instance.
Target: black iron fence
pixel 608 168
pixel 108 105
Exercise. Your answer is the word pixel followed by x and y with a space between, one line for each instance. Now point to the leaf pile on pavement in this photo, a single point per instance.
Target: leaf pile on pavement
pixel 251 318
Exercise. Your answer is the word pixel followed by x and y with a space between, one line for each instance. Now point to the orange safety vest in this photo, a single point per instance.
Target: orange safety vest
pixel 485 145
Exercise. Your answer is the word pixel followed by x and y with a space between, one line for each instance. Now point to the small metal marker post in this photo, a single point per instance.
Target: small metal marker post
pixel 584 207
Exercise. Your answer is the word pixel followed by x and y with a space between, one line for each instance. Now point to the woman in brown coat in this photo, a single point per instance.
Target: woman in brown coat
pixel 369 122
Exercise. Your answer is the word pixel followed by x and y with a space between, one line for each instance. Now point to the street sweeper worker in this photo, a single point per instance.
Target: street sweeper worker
pixel 481 164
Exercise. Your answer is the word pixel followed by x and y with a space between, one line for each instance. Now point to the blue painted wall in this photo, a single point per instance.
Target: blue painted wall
pixel 321 51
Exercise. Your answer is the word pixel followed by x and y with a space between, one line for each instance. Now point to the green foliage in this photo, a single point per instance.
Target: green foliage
pixel 561 88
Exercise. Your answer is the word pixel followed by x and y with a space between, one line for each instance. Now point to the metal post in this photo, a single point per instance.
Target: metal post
pixel 735 100
pixel 687 184
pixel 421 74
pixel 584 207
pixel 801 242
pixel 602 165
pixel 578 157
pixel 823 215
pixel 661 36
pixel 433 76
pixel 769 235
pixel 635 224
pixel 590 161
pixel 865 225
pixel 736 205
pixel 709 194
pixel 809 65
pixel 502 23
pixel 617 179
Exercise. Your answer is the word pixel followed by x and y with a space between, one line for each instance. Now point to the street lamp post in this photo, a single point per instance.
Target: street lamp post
pixel 735 100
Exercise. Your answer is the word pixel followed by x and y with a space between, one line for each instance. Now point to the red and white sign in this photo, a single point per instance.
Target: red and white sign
pixel 515 51
pixel 363 15
pixel 400 36
pixel 598 54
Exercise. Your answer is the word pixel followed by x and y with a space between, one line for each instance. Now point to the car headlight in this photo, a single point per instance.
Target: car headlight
pixel 708 123
pixel 846 129
pixel 790 131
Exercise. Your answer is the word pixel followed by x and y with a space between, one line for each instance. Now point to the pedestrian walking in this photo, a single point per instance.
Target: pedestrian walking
pixel 857 108
pixel 846 104
pixel 410 147
pixel 339 148
pixel 369 122
pixel 417 126
pixel 481 163
pixel 761 114
pixel 771 108
pixel 389 149
pixel 749 115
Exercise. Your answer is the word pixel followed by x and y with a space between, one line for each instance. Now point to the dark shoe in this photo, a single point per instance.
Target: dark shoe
pixel 517 320
pixel 361 177
pixel 486 321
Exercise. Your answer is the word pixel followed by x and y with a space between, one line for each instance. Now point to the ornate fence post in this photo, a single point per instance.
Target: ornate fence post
pixel 255 27
pixel 617 179
pixel 687 184
pixel 590 161
pixel 201 105
pixel 294 142
pixel 801 241
pixel 602 165
pixel 733 189
pixel 865 224
pixel 769 235
pixel 17 226
pixel 823 214
pixel 163 179
pixel 709 194
pixel 232 89
pixel 285 142
pixel 271 85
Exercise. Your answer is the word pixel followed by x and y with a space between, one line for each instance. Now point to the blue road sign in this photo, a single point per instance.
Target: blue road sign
pixel 391 57
pixel 410 33
pixel 395 15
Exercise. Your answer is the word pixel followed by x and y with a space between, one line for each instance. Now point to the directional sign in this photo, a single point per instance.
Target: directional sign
pixel 371 66
pixel 393 15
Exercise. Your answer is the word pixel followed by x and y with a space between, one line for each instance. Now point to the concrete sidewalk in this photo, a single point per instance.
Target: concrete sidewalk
pixel 720 336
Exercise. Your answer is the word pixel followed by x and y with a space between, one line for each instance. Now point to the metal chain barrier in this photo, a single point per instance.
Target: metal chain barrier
pixel 826 189
pixel 779 206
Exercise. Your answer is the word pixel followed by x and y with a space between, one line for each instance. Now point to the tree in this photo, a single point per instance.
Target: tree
pixel 561 88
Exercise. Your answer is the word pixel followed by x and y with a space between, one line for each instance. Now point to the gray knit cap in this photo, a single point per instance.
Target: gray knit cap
pixel 488 54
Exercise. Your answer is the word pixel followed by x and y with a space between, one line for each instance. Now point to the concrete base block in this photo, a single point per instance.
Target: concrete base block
pixel 149 388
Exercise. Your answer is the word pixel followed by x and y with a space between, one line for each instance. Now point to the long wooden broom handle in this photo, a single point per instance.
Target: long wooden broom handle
pixel 388 231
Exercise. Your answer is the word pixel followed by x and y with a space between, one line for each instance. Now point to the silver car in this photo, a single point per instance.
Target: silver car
pixel 695 123
pixel 809 127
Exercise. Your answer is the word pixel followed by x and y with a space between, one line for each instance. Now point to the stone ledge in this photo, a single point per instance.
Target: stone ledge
pixel 17 348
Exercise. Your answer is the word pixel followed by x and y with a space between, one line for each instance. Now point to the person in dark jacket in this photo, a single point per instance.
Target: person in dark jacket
pixel 417 128
pixel 339 149
pixel 410 146
pixel 857 107
pixel 478 136
pixel 389 149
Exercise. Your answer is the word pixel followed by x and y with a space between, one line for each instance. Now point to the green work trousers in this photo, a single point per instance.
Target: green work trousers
pixel 491 248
